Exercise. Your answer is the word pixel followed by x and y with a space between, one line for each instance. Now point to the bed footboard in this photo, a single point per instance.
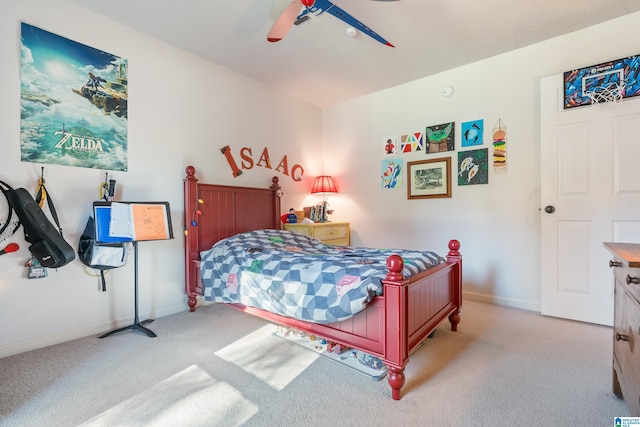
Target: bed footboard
pixel 395 324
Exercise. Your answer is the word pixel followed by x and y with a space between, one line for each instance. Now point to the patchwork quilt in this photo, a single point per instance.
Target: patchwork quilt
pixel 298 276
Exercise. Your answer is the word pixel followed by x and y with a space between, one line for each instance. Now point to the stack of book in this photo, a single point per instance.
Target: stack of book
pixel 319 213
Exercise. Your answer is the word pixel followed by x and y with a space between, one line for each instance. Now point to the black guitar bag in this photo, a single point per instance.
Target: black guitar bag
pixel 47 243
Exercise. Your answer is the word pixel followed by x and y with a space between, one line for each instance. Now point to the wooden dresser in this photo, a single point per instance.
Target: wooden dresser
pixel 626 323
pixel 334 233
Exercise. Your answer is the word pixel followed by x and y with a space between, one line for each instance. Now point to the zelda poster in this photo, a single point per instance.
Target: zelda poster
pixel 73 102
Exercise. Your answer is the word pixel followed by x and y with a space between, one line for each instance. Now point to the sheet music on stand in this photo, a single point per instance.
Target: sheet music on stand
pixel 120 224
pixel 134 221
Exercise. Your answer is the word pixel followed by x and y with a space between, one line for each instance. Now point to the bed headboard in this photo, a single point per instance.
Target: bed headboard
pixel 225 210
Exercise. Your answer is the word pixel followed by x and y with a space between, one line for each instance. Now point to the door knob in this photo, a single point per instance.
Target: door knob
pixel 549 209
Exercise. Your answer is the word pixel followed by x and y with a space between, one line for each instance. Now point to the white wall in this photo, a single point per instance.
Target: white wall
pixel 498 224
pixel 182 110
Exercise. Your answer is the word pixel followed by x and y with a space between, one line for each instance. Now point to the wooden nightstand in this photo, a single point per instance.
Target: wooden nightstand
pixel 333 233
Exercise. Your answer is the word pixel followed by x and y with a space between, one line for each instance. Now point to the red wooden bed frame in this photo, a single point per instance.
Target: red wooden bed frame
pixel 392 325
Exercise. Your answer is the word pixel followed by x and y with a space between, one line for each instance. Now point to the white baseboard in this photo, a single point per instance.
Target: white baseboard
pixel 74 334
pixel 506 302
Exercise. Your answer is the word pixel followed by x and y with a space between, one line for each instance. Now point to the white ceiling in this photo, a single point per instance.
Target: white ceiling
pixel 319 63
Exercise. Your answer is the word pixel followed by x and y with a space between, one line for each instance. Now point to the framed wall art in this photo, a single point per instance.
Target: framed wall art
pixel 429 179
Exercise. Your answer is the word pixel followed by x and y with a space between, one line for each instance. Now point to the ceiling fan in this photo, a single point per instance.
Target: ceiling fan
pixel 293 15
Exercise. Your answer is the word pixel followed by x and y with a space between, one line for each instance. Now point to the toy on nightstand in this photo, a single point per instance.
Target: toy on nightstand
pixel 290 218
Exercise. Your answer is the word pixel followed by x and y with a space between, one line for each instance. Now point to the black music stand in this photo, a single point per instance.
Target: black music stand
pixel 148 221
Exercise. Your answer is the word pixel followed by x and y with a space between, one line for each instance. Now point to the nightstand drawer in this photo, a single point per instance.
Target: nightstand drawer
pixel 343 241
pixel 300 229
pixel 329 232
pixel 332 233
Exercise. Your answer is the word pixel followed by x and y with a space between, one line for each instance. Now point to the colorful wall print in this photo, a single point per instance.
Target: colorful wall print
pixel 412 142
pixel 391 146
pixel 500 148
pixel 73 103
pixel 391 175
pixel 441 137
pixel 473 167
pixel 472 133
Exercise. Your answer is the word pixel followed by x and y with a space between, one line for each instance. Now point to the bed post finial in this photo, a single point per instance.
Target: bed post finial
pixel 191 172
pixel 395 266
pixel 454 247
pixel 275 183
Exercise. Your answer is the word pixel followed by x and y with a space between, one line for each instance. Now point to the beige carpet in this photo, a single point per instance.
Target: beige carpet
pixel 220 367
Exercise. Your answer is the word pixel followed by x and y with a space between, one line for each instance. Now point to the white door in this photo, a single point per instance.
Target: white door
pixel 590 194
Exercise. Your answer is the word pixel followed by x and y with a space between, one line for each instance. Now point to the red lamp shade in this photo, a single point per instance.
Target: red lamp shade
pixel 323 185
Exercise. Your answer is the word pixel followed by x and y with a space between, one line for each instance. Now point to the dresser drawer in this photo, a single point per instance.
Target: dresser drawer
pixel 330 232
pixel 621 274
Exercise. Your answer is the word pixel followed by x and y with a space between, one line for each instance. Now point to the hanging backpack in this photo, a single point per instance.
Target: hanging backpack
pixel 101 257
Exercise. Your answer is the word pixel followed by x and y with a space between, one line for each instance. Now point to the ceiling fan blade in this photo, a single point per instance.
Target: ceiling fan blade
pixel 284 23
pixel 349 19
